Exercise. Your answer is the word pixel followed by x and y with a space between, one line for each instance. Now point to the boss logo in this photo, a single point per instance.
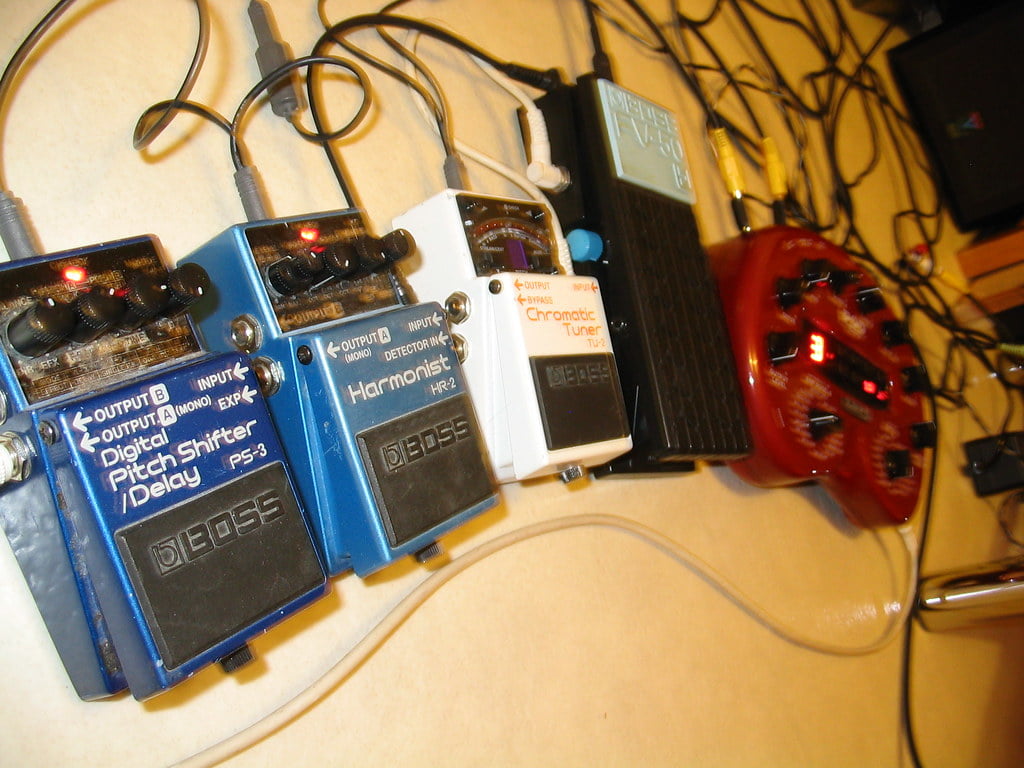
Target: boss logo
pixel 220 530
pixel 570 375
pixel 421 444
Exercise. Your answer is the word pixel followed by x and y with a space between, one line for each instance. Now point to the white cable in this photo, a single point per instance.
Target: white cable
pixel 353 659
pixel 541 171
pixel 562 254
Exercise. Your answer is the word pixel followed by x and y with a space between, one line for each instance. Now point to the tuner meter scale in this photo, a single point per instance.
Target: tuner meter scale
pixel 368 395
pixel 535 343
pixel 833 384
pixel 145 495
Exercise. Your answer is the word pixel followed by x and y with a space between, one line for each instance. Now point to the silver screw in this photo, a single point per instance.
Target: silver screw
pixel 48 432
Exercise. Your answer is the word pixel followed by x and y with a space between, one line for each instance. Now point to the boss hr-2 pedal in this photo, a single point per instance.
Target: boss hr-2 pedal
pixel 145 493
pixel 367 393
pixel 832 381
pixel 629 206
pixel 534 342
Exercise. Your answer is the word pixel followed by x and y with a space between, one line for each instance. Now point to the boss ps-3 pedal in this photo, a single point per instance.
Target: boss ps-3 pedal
pixel 145 493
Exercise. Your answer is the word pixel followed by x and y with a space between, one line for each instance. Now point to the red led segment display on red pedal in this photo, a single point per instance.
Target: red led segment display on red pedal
pixel 832 383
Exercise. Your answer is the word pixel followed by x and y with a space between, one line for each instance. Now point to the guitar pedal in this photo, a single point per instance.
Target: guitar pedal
pixel 631 193
pixel 832 382
pixel 535 343
pixel 367 393
pixel 144 490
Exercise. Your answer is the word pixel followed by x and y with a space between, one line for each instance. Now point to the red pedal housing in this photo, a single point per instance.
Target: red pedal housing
pixel 832 384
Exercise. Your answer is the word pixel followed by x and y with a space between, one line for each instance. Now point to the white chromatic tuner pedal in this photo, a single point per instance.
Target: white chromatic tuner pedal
pixel 534 342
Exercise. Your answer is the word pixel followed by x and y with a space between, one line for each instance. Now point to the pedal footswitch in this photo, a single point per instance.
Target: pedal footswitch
pixel 368 394
pixel 149 503
pixel 535 343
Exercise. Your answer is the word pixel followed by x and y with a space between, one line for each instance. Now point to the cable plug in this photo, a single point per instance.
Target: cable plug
pixel 1016 350
pixel 454 172
pixel 732 175
pixel 549 177
pixel 542 79
pixel 248 185
pixel 541 170
pixel 271 54
pixel 778 184
pixel 14 229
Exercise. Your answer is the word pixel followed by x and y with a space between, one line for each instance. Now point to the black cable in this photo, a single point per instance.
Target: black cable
pixel 142 137
pixel 431 97
pixel 320 136
pixel 625 29
pixel 541 79
pixel 172 106
pixel 14 65
pixel 599 57
pixel 711 15
pixel 146 137
pixel 336 34
pixel 695 30
pixel 714 120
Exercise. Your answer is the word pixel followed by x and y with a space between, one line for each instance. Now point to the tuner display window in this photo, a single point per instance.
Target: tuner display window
pixel 506 235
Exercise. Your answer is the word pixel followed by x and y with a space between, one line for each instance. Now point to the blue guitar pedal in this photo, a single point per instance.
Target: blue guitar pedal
pixel 144 489
pixel 367 393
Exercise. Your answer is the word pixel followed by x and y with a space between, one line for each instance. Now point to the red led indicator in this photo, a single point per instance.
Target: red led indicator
pixel 870 387
pixel 75 274
pixel 817 348
pixel 309 234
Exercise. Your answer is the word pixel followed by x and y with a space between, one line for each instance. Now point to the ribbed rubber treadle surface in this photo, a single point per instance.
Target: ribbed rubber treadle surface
pixel 681 321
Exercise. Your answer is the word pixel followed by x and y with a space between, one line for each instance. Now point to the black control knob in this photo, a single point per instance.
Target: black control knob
pixel 894 333
pixel 341 261
pixel 187 284
pixel 147 296
pixel 309 264
pixel 869 299
pixel 789 291
pixel 96 312
pixel 897 464
pixel 838 279
pixel 783 346
pixel 397 244
pixel 915 379
pixel 285 278
pixel 817 270
pixel 41 327
pixel 377 253
pixel 924 434
pixel 822 423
